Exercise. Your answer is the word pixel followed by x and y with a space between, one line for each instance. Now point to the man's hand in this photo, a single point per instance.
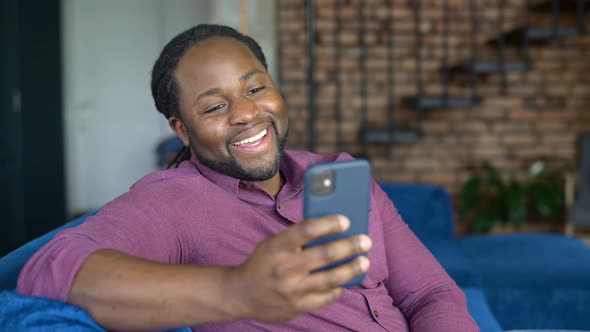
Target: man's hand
pixel 276 284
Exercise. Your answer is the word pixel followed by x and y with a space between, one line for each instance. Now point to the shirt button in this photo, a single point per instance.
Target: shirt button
pixel 376 313
pixel 279 206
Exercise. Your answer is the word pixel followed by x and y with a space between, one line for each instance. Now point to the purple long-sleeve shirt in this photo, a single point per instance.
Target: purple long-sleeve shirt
pixel 195 215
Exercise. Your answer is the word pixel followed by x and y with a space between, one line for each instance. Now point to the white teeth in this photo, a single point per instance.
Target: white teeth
pixel 251 139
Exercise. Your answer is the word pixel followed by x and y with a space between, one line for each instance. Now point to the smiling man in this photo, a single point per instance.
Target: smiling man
pixel 216 243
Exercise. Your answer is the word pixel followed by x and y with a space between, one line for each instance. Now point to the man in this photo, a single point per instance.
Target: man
pixel 217 242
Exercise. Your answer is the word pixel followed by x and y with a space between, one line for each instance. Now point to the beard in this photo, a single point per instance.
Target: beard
pixel 231 167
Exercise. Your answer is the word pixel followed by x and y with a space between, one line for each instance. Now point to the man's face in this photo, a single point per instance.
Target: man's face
pixel 232 115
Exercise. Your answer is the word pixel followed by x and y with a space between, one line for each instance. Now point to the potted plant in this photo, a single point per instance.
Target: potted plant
pixel 487 200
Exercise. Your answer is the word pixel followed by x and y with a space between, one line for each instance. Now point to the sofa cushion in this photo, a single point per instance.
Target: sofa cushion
pixel 454 261
pixel 557 307
pixel 35 314
pixel 25 313
pixel 427 211
pixel 425 208
pixel 533 280
pixel 539 260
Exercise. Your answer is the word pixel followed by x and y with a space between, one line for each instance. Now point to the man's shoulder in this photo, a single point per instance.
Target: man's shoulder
pixel 166 177
pixel 164 192
pixel 307 158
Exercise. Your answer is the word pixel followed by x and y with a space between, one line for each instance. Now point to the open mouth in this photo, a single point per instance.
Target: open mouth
pixel 252 141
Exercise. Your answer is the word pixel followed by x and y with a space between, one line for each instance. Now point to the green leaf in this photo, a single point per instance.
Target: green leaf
pixel 516 203
pixel 470 195
pixel 494 179
pixel 483 222
pixel 548 198
pixel 547 203
pixel 495 208
pixel 490 171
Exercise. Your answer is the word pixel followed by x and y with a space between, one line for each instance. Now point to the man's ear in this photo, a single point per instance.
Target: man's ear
pixel 178 127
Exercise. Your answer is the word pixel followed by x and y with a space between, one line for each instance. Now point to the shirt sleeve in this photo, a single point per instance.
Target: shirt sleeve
pixel 130 224
pixel 419 286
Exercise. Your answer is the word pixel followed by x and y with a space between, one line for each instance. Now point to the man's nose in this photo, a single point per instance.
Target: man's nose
pixel 243 110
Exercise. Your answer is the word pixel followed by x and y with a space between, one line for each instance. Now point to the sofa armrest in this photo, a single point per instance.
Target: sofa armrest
pixel 12 264
pixel 480 311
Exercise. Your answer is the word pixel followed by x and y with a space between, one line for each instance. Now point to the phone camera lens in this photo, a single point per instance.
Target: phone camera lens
pixel 322 183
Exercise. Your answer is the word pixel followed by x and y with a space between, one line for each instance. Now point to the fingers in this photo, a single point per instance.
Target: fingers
pixel 300 234
pixel 336 277
pixel 317 300
pixel 282 274
pixel 316 257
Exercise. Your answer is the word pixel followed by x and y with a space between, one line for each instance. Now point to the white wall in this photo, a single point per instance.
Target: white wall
pixel 261 18
pixel 109 47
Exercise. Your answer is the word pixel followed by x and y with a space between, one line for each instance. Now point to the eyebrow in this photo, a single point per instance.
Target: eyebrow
pixel 210 92
pixel 216 90
pixel 250 74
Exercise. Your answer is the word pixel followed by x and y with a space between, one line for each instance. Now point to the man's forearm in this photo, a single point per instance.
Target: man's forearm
pixel 122 292
pixel 443 311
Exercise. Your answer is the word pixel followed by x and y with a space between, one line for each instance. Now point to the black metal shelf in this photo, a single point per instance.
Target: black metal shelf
pixel 483 67
pixel 564 6
pixel 536 35
pixel 376 136
pixel 441 101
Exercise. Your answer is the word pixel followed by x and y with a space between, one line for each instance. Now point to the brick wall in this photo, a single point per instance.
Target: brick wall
pixel 504 129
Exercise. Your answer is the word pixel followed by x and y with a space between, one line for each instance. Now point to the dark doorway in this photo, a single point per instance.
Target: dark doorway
pixel 31 147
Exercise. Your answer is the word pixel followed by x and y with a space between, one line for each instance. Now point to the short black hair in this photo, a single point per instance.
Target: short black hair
pixel 164 85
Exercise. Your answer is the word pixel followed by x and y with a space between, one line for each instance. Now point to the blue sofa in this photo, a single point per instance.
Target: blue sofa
pixel 531 281
pixel 424 205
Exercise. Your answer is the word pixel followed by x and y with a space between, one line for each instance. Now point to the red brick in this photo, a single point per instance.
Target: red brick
pixel 523 115
pixel 559 139
pixel 474 127
pixel 436 127
pixel 503 102
pixel 559 115
pixel 565 152
pixel 420 163
pixel 489 152
pixel 532 151
pixel 511 127
pixel 519 139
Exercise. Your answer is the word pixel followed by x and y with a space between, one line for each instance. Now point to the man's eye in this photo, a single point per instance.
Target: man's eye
pixel 214 108
pixel 256 90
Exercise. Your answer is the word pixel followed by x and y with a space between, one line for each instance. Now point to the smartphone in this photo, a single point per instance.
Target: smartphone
pixel 341 187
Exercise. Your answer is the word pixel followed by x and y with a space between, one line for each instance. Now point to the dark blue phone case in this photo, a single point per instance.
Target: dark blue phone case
pixel 350 197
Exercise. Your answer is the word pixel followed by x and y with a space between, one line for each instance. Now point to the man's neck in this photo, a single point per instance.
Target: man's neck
pixel 273 185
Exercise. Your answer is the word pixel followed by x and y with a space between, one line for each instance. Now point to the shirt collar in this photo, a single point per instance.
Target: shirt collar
pixel 223 181
pixel 292 170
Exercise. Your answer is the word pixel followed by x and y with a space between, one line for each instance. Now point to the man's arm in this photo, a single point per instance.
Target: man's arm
pixel 424 292
pixel 124 292
pixel 430 299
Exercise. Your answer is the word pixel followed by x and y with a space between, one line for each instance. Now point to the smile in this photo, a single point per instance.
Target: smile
pixel 252 141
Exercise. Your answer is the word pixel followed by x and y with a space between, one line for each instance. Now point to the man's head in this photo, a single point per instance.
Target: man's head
pixel 164 85
pixel 212 84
